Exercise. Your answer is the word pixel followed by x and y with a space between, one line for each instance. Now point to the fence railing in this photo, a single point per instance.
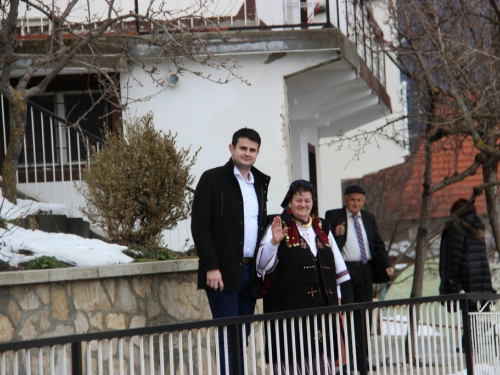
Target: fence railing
pixel 430 335
pixel 485 339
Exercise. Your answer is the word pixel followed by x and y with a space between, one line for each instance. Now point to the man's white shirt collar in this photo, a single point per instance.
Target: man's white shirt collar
pixel 250 175
pixel 351 214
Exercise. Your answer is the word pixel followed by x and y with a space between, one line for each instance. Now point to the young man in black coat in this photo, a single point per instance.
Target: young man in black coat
pixel 228 221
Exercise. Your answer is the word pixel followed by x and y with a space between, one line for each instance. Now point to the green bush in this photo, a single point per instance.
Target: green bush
pixel 142 254
pixel 135 186
pixel 3 222
pixel 44 262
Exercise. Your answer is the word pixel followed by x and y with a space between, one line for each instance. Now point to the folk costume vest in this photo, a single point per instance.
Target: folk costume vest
pixel 312 280
pixel 301 281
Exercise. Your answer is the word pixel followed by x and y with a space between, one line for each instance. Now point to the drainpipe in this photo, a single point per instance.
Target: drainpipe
pixel 137 12
pixel 327 10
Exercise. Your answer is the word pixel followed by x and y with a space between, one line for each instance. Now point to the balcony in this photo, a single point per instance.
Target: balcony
pixel 258 26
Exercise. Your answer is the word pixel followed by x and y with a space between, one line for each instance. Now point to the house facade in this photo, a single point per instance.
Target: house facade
pixel 307 75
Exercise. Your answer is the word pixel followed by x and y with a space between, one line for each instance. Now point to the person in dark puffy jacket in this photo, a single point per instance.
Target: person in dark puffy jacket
pixel 463 264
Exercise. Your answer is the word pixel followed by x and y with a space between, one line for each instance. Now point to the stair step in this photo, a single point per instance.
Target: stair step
pixel 47 223
pixel 78 226
pixel 59 224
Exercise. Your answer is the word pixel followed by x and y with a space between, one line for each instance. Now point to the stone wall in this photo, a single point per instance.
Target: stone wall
pixel 48 303
pixel 60 302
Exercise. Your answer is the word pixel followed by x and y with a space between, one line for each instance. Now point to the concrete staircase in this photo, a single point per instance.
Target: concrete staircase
pixel 58 223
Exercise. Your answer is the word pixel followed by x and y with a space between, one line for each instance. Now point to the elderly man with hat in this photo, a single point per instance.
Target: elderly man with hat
pixel 362 248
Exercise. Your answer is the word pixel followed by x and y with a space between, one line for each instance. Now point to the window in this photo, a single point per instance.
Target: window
pixel 75 106
pixel 48 142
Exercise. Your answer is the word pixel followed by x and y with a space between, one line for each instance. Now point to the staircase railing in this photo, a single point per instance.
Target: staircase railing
pixel 53 156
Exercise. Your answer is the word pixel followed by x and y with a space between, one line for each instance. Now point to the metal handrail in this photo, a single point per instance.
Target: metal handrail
pixel 64 121
pixel 69 125
pixel 85 132
pixel 233 323
pixel 362 306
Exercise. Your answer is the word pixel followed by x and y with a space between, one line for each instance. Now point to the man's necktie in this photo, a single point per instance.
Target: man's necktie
pixel 359 234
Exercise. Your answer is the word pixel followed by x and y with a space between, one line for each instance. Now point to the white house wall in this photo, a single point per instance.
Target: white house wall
pixel 98 8
pixel 205 114
pixel 338 165
pixel 301 138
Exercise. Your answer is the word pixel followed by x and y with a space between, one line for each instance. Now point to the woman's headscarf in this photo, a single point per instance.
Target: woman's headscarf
pixel 292 236
pixel 294 187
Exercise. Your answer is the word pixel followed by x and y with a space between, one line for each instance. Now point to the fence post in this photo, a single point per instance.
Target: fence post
pixel 76 358
pixel 236 349
pixel 466 342
pixel 363 368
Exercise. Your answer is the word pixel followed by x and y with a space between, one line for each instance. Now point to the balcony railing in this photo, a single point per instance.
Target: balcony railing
pixel 353 18
pixel 431 335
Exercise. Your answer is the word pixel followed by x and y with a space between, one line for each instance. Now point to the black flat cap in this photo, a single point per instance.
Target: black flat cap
pixel 354 189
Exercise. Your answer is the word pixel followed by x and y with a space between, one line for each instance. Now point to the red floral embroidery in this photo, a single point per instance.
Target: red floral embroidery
pixel 292 237
pixel 303 243
pixel 319 232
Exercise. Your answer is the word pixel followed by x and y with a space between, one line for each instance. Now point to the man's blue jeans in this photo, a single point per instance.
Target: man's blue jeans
pixel 230 304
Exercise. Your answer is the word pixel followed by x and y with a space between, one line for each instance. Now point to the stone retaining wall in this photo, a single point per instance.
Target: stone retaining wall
pixel 48 303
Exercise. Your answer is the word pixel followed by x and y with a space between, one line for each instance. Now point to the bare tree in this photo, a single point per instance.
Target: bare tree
pixel 448 51
pixel 102 45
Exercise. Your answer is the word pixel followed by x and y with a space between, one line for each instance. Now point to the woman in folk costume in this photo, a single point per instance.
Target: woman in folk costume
pixel 302 268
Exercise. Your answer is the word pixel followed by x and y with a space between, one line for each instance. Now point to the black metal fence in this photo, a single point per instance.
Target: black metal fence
pixel 421 335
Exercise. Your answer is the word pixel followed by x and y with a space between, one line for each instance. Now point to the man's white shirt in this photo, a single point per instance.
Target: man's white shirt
pixel 251 212
pixel 351 251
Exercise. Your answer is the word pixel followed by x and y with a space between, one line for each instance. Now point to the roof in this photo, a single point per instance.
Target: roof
pixel 397 191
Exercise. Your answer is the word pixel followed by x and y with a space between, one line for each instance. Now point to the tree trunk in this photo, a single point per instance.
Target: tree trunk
pixel 16 138
pixel 423 226
pixel 421 245
pixel 493 200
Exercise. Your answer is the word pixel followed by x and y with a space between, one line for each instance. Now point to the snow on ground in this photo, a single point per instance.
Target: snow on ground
pixel 27 207
pixel 67 248
pixel 481 369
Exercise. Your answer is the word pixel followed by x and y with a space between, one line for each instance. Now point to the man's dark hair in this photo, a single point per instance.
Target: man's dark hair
pixel 246 133
pixel 459 204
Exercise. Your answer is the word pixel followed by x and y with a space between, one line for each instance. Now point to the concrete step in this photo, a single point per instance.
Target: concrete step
pixel 59 224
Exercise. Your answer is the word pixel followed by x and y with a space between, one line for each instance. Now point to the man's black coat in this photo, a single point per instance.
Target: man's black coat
pixel 380 258
pixel 217 225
